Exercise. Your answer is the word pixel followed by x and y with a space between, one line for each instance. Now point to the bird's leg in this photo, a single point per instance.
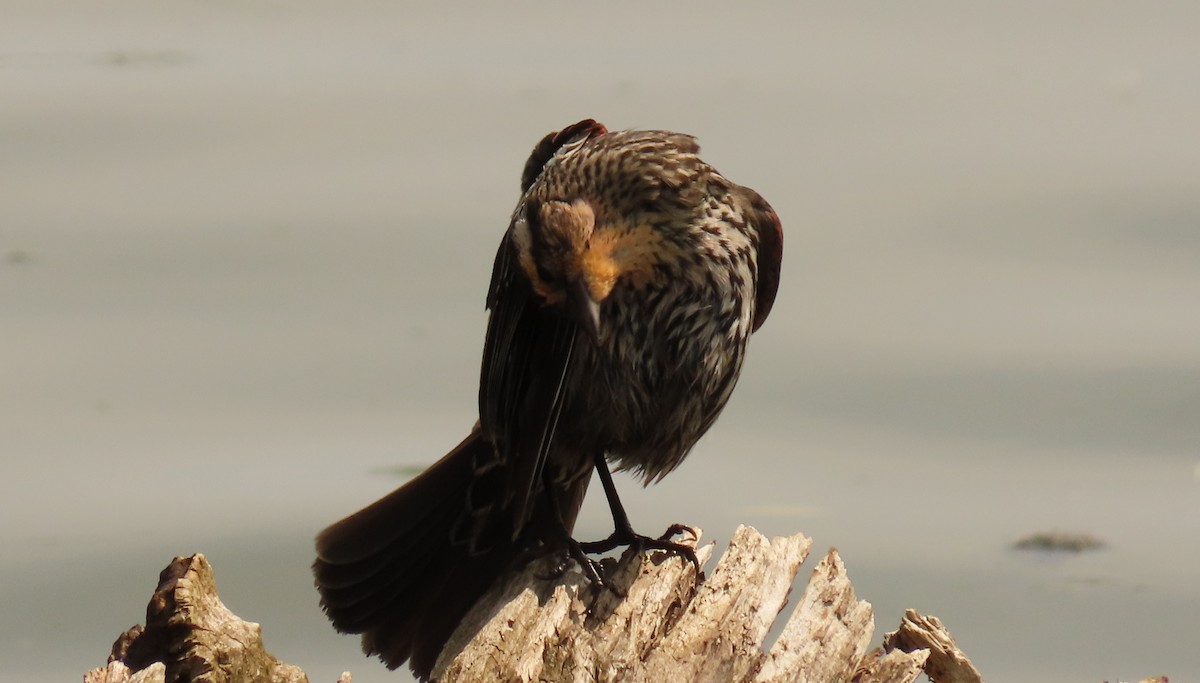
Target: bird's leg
pixel 623 533
pixel 562 540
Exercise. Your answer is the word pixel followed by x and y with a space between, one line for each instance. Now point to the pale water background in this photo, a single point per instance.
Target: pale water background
pixel 246 244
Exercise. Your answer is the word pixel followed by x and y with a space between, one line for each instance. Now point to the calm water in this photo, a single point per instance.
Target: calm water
pixel 245 248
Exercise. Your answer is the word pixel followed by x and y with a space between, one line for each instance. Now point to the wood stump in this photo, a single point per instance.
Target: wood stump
pixel 654 621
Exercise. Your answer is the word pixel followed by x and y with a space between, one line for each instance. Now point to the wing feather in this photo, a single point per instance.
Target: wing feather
pixel 769 231
pixel 526 359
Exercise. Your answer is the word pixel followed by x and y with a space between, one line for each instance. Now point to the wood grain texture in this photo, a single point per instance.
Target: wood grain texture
pixel 655 620
pixel 661 622
pixel 190 635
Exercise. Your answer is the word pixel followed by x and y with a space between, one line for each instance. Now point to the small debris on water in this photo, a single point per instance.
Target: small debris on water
pixel 1059 541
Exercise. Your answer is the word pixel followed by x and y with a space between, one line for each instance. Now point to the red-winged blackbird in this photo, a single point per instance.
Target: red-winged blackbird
pixel 622 298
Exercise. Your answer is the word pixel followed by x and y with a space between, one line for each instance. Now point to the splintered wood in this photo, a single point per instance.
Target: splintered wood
pixel 190 635
pixel 657 622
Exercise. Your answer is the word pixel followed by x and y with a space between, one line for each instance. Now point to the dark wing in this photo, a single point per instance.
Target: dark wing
pixel 769 233
pixel 526 356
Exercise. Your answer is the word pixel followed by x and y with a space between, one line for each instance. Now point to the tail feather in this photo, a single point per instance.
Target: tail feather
pixel 355 608
pixel 391 572
pixel 341 583
pixel 461 587
pixel 376 528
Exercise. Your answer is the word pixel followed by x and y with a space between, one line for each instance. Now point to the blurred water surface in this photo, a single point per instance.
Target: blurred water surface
pixel 244 249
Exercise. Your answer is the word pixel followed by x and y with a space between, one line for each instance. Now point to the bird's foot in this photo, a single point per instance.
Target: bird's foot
pixel 573 553
pixel 627 537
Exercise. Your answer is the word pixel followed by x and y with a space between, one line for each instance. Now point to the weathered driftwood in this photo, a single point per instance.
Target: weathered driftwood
pixel 655 621
pixel 658 623
pixel 947 663
pixel 190 635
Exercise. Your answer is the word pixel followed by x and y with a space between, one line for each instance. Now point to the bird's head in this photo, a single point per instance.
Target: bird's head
pixel 574 261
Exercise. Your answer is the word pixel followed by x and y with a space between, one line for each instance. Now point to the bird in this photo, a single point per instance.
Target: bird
pixel 622 297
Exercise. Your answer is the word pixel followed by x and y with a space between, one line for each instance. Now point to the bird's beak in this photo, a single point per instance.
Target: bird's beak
pixel 586 309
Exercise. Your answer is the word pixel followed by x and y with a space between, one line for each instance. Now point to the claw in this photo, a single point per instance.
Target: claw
pixel 590 567
pixel 677 528
pixel 626 537
pixel 572 553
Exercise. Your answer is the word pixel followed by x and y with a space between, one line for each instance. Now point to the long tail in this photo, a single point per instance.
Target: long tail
pixel 391 572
